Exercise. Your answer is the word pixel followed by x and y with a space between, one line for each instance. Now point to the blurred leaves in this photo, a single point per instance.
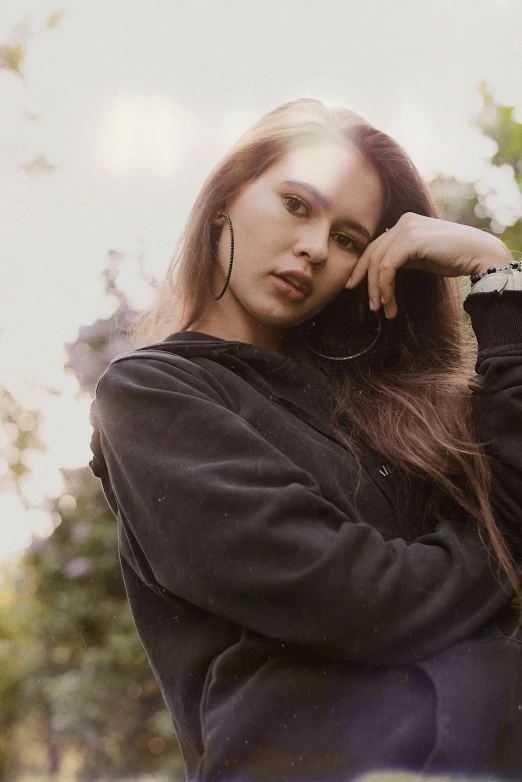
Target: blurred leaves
pixel 498 123
pixel 55 18
pixel 98 343
pixel 11 58
pixel 12 54
pixel 493 203
pixel 39 165
pixel 20 443
pixel 74 680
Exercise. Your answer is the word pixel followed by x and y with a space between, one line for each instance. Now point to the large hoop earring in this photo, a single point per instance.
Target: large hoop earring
pixel 223 214
pixel 354 355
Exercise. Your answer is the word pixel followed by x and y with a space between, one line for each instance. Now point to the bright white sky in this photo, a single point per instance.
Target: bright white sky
pixel 133 102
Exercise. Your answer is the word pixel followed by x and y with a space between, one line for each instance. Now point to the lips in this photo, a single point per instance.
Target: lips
pixel 301 281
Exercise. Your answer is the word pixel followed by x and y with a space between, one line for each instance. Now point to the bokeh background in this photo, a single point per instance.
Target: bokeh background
pixel 112 112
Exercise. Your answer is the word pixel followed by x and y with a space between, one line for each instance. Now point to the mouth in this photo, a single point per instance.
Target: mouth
pixel 296 282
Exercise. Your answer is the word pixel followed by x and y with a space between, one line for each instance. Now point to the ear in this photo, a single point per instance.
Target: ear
pixel 218 221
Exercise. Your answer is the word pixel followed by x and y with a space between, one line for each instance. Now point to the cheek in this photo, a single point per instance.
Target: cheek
pixel 262 222
pixel 334 278
pixel 341 266
pixel 253 208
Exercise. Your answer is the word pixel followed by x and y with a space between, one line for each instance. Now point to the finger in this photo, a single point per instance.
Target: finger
pixel 374 288
pixel 379 254
pixel 359 270
pixel 361 267
pixel 388 298
pixel 392 260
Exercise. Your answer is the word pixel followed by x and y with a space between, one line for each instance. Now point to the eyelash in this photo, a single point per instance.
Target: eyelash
pixel 357 246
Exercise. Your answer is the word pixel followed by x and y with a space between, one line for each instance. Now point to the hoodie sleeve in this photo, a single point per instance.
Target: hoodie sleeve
pixel 230 524
pixel 497 408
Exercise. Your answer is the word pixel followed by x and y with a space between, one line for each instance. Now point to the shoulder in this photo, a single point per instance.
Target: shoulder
pixel 146 376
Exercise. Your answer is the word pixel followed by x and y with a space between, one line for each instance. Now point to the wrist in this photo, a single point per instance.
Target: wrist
pixel 513 267
pixel 498 260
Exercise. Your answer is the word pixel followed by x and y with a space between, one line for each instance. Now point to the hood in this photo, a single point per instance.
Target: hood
pixel 282 379
pixel 278 376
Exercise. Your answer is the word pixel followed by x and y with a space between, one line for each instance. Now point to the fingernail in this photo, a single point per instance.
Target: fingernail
pixel 372 305
pixel 350 281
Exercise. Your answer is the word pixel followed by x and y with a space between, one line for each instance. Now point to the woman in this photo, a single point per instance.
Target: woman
pixel 318 510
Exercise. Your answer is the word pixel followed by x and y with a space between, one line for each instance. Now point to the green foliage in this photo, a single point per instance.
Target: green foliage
pixel 480 204
pixel 74 678
pixel 76 688
pixel 11 57
pixel 12 54
pixel 499 124
pixel 20 442
pixel 83 671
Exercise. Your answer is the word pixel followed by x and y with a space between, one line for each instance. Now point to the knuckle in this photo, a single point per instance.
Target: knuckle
pixel 408 219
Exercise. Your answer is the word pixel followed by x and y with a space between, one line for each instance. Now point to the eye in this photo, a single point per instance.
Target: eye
pixel 293 203
pixel 346 242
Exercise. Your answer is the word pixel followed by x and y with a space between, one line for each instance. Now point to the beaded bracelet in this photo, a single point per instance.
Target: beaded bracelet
pixel 514 265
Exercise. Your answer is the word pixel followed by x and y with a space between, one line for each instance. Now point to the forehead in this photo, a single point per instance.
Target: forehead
pixel 340 173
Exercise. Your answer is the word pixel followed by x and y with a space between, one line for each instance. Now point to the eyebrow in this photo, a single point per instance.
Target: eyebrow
pixel 325 202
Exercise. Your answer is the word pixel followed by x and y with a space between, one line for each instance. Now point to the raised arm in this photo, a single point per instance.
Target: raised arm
pixel 497 410
pixel 229 523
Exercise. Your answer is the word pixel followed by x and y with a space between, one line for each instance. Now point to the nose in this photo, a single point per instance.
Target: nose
pixel 313 243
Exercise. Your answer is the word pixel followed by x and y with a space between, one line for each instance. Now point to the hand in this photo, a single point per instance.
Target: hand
pixel 425 244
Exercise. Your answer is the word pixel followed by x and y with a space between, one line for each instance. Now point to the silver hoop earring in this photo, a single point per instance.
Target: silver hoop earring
pixel 354 355
pixel 223 214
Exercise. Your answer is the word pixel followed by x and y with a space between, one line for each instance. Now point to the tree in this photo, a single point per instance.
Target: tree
pixel 19 442
pixel 495 203
pixel 83 686
pixel 73 675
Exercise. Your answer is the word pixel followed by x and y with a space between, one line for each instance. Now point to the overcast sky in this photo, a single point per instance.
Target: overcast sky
pixel 134 101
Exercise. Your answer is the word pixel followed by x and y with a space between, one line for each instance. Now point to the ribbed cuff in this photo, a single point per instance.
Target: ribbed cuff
pixel 496 317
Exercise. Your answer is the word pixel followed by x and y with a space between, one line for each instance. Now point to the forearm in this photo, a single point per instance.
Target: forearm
pixel 497 407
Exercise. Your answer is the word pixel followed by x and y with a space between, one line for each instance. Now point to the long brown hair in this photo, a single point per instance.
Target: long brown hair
pixel 406 400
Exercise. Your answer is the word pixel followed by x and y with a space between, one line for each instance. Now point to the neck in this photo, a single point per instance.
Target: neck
pixel 220 322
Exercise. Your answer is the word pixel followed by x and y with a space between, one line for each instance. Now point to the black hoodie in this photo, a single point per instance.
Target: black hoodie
pixel 297 634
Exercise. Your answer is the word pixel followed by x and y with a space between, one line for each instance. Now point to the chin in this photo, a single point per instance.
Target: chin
pixel 276 313
pixel 281 320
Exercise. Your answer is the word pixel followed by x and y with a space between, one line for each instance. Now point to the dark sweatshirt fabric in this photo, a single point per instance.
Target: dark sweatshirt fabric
pixel 298 632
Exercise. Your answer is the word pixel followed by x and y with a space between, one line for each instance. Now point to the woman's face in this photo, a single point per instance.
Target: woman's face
pixel 307 218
